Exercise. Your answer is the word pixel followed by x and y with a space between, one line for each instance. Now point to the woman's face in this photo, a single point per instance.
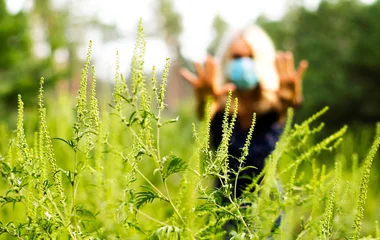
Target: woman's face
pixel 240 65
pixel 239 48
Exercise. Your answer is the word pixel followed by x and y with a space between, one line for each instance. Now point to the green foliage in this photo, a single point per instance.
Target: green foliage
pixel 364 187
pixel 171 20
pixel 18 67
pixel 128 172
pixel 28 54
pixel 338 40
pixel 173 165
pixel 147 196
pixel 220 27
pixel 326 221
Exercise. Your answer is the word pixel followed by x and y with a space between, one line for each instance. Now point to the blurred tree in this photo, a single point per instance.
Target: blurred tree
pixel 364 65
pixel 42 42
pixel 170 28
pixel 65 30
pixel 220 27
pixel 339 40
pixel 170 22
pixel 19 69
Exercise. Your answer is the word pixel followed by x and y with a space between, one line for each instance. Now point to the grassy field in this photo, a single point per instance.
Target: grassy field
pixel 129 171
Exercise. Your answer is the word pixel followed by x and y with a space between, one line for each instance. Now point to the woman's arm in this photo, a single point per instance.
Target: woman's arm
pixel 200 106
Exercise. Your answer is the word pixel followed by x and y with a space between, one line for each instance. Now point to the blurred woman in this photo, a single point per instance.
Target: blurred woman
pixel 265 82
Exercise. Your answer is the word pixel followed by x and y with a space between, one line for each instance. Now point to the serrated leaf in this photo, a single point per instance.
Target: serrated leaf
pixel 7 199
pixel 167 232
pixel 135 226
pixel 81 211
pixel 5 170
pixel 144 197
pixel 173 165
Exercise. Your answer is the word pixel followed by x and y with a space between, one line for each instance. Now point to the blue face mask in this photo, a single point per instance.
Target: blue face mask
pixel 242 73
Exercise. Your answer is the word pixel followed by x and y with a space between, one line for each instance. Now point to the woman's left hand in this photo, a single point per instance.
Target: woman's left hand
pixel 290 78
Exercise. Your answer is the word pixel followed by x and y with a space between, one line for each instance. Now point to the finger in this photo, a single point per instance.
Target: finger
pixel 209 69
pixel 302 68
pixel 199 70
pixel 289 63
pixel 280 64
pixel 277 63
pixel 214 70
pixel 226 88
pixel 189 76
pixel 286 94
pixel 298 85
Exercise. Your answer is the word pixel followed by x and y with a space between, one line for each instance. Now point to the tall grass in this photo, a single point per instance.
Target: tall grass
pixel 129 172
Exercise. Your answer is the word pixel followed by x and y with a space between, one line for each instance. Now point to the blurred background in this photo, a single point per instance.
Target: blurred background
pixel 49 38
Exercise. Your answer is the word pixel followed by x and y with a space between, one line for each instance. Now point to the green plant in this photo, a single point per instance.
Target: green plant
pixel 123 173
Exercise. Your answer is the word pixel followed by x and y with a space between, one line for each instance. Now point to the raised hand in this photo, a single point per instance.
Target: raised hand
pixel 205 79
pixel 290 78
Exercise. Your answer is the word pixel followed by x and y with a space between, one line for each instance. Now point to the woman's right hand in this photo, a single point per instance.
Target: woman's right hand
pixel 205 80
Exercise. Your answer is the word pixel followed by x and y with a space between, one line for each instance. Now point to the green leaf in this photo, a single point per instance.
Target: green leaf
pixel 167 232
pixel 169 121
pixel 46 185
pixel 128 100
pixel 141 152
pixel 8 199
pixel 5 170
pixel 135 226
pixel 156 171
pixel 69 142
pixel 80 165
pixel 83 212
pixel 70 176
pixel 132 119
pixel 146 196
pixel 173 165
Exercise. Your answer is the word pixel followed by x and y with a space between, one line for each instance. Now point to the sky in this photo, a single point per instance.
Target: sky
pixel 197 17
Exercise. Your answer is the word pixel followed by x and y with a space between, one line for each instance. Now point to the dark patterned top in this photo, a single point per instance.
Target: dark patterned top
pixel 264 138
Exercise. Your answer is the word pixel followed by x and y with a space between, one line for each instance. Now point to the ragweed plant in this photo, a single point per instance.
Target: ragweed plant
pixel 130 172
